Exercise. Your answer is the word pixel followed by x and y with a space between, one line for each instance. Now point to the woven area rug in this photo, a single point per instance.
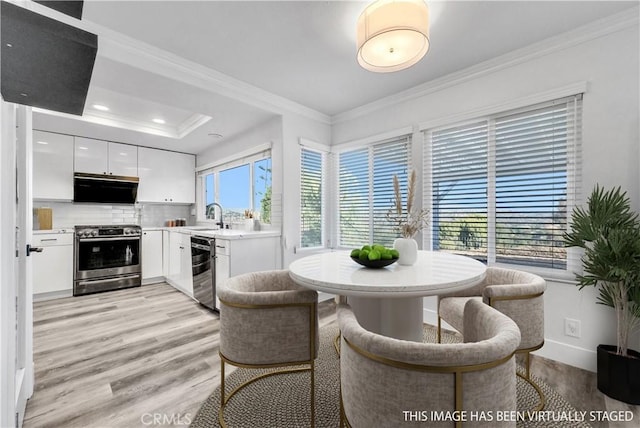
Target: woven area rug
pixel 282 401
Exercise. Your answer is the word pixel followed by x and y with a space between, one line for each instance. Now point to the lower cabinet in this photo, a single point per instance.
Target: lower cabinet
pixel 152 255
pixel 53 267
pixel 249 254
pixel 179 262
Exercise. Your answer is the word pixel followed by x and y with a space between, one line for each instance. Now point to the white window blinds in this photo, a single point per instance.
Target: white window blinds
pixel 502 188
pixel 459 186
pixel 312 191
pixel 365 181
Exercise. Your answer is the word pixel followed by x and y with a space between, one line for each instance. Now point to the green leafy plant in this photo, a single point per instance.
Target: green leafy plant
pixel 410 220
pixel 609 232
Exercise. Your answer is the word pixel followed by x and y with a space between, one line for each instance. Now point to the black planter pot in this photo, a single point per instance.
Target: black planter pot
pixel 619 376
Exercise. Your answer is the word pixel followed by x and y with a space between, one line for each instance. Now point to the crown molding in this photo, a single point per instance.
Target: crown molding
pixel 596 29
pixel 121 48
pixel 190 124
pixel 182 130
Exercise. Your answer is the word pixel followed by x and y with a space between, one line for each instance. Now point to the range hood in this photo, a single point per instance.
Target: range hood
pixel 107 189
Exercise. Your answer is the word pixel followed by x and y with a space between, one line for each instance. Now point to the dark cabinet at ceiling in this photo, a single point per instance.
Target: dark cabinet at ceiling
pixel 45 63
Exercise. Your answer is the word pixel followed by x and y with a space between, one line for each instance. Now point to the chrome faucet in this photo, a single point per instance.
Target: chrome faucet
pixel 210 208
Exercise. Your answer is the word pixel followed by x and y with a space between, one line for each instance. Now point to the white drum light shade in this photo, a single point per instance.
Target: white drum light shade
pixel 393 34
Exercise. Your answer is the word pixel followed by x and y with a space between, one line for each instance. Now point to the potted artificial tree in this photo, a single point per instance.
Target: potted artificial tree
pixel 609 232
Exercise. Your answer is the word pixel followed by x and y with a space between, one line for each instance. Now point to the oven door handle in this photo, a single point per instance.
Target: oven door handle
pixel 105 238
pixel 201 247
pixel 106 281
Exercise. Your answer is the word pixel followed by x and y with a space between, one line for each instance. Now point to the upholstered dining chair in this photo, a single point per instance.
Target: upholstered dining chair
pixel 266 321
pixel 517 294
pixel 383 380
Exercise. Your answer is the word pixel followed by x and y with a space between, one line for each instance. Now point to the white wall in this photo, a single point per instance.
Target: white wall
pixel 609 63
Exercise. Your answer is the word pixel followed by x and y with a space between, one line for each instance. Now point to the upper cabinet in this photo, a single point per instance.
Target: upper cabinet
pixel 166 177
pixel 103 157
pixel 52 166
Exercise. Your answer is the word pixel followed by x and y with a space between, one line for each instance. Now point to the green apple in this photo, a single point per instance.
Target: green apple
pixel 374 255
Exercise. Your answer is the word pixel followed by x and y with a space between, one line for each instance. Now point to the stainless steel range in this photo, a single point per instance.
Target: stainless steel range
pixel 106 258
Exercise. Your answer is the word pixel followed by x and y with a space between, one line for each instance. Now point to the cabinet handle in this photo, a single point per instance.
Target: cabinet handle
pixel 104 172
pixel 111 173
pixel 49 239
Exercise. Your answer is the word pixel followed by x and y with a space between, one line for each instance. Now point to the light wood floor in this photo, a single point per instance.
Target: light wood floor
pixel 121 358
pixel 118 359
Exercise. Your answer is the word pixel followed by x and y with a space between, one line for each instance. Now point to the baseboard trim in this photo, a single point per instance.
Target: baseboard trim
pixel 41 297
pixel 552 349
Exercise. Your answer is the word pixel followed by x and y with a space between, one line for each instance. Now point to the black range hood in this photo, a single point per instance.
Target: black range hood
pixel 45 63
pixel 107 189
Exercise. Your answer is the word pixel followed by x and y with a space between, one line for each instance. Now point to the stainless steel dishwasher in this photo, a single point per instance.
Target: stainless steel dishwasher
pixel 203 269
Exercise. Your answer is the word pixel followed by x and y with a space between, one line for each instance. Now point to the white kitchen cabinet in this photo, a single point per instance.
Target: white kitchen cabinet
pixel 123 159
pixel 166 177
pixel 53 267
pixel 52 166
pixel 179 271
pixel 103 157
pixel 249 254
pixel 151 255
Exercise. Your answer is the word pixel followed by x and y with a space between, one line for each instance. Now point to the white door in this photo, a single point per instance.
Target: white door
pixel 24 292
pixel 16 319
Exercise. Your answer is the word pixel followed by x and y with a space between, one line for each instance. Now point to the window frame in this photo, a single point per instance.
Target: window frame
pixel 249 160
pixel 324 160
pixel 573 171
pixel 370 144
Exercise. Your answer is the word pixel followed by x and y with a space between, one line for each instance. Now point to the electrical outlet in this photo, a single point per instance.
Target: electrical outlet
pixel 571 327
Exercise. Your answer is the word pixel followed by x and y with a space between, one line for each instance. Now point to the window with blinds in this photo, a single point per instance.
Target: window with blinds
pixel 365 181
pixel 312 190
pixel 503 187
pixel 459 186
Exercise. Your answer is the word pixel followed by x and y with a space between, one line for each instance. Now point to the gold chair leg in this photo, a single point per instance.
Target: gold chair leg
pixel 527 378
pixel 439 332
pixel 336 343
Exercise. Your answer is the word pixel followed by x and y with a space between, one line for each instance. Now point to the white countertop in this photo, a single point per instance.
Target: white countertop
pixel 434 273
pixel 219 234
pixel 43 231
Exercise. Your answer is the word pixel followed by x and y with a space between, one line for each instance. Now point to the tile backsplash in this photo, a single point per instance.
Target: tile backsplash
pixel 69 214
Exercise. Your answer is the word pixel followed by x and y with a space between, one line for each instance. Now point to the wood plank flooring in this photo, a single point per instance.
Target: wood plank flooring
pixel 121 358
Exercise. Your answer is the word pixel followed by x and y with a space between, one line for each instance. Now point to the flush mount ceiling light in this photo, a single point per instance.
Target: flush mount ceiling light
pixel 100 107
pixel 159 121
pixel 393 35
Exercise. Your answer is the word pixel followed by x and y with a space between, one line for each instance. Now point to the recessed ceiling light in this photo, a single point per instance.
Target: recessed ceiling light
pixel 100 107
pixel 214 135
pixel 122 154
pixel 160 121
pixel 9 45
pixel 83 148
pixel 24 95
pixel 42 142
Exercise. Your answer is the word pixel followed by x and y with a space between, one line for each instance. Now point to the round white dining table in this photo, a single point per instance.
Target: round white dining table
pixel 388 300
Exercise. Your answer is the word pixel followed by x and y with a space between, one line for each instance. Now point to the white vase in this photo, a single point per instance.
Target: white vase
pixel 407 250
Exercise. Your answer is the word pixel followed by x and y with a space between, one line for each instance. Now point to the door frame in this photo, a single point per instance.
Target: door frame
pixel 16 316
